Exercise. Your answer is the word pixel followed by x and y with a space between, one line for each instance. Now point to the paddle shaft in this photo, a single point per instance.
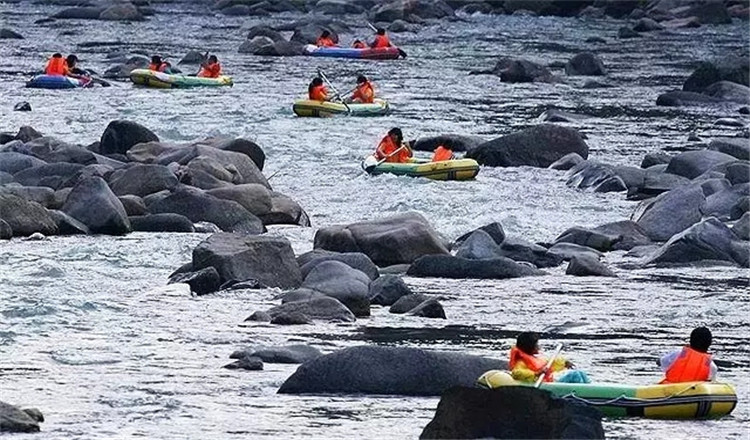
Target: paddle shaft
pixel 391 154
pixel 325 78
pixel 548 366
pixel 372 26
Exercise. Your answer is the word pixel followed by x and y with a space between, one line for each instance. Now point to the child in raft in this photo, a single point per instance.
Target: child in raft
pixel 691 364
pixel 526 365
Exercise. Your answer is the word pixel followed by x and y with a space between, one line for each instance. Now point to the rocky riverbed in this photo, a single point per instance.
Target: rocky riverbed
pixel 94 337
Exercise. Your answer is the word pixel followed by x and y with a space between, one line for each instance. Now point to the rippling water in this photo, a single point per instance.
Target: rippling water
pixel 89 334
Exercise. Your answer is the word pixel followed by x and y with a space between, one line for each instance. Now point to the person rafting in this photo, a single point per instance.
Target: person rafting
pixel 358 44
pixel 526 365
pixel 56 66
pixel 364 93
pixel 158 65
pixel 317 91
pixel 442 154
pixel 392 148
pixel 71 61
pixel 381 39
pixel 325 40
pixel 211 68
pixel 691 364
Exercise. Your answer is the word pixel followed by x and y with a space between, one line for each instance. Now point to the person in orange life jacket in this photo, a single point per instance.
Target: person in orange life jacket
pixel 691 364
pixel 526 365
pixel 359 45
pixel 388 148
pixel 73 71
pixel 381 39
pixel 442 154
pixel 211 68
pixel 56 66
pixel 317 91
pixel 364 93
pixel 158 65
pixel 325 40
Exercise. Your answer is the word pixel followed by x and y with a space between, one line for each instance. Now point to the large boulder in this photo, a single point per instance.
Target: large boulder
pixel 120 135
pixel 391 240
pixel 288 354
pixel 400 10
pixel 680 98
pixel 742 227
pixel 478 246
pixel 52 175
pixel 166 222
pixel 39 194
pixel 708 12
pixel 355 260
pixel 254 197
pixel 585 265
pixel 511 412
pixel 692 164
pixel 388 289
pixel 729 68
pixel 247 171
pixel 24 217
pixel 520 70
pixel 92 203
pixel 456 142
pixel 494 229
pixel 237 258
pixel 585 63
pixel 585 237
pixel 447 266
pixel 142 180
pixel 122 12
pixel 201 207
pixel 14 419
pixel 708 240
pixel 738 172
pixel 671 212
pixel 387 370
pixel 720 204
pixel 522 250
pixel 285 211
pixel 201 282
pixel 338 280
pixel 322 308
pixel 629 234
pixel 539 146
pixel 12 162
pixel 729 91
pixel 736 147
pixel 81 13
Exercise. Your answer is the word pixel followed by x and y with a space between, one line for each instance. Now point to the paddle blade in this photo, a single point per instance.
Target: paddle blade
pixel 369 163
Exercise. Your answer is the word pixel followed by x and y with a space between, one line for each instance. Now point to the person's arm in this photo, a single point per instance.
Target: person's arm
pixel 667 360
pixel 523 374
pixel 713 371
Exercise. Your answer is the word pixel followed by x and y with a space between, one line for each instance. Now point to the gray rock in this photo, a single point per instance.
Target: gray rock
pixel 201 282
pixel 539 146
pixel 24 217
pixel 736 147
pixel 709 13
pixel 584 237
pixel 257 45
pixel 291 318
pixel 741 207
pixel 9 34
pixel 567 162
pixel 288 354
pixel 201 207
pixel 264 31
pixel 522 250
pixel 259 316
pixel 142 180
pixel 133 205
pixel 338 280
pixel 682 23
pixel 67 225
pixel 12 162
pixel 254 197
pixel 709 239
pixel 166 222
pixel 584 265
pixel 246 363
pixel 92 203
pixel 355 260
pixel 236 10
pixel 625 32
pixel 387 370
pixel 506 412
pixel 721 203
pixel 742 228
pixel 285 211
pixel 585 63
pixel 301 294
pixel 646 24
pixel 388 289
pixel 714 185
pixel 53 175
pixel 236 257
pixel 428 309
pixel 120 135
pixel 193 57
pixel 455 142
pixel 20 106
pixel 39 194
pixel 555 115
pixel 478 246
pixel 322 308
pixel 13 419
pixel 391 240
pixel 567 251
pixel 729 91
pixel 671 212
pixel 122 12
pixel 629 234
pixel 738 172
pixel 728 68
pixel 6 233
pixel 82 13
pixel 520 70
pixel 652 159
pixel 407 303
pixel 247 171
pixel 446 266
pixel 679 98
pixel 495 229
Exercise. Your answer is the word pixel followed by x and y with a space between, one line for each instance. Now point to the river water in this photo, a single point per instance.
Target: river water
pixel 90 334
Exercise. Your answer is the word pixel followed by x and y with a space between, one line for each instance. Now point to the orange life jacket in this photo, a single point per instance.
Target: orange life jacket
pixel 364 93
pixel 157 67
pixel 381 41
pixel 442 154
pixel 325 42
pixel 533 363
pixel 386 147
pixel 56 66
pixel 319 93
pixel 212 70
pixel 690 366
pixel 359 45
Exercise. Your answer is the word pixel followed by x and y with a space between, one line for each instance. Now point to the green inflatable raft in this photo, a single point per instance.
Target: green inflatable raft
pixel 159 80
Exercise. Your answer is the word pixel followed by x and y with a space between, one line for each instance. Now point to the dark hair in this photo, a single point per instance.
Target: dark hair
pixel 317 81
pixel 71 59
pixel 357 41
pixel 526 342
pixel 325 33
pixel 213 59
pixel 57 55
pixel 361 79
pixel 156 59
pixel 700 339
pixel 381 31
pixel 397 132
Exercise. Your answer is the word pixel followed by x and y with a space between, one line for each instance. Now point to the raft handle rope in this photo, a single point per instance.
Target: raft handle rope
pixel 625 398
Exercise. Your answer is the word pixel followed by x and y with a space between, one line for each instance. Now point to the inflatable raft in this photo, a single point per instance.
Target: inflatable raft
pixel 150 78
pixel 307 107
pixel 458 169
pixel 381 53
pixel 57 82
pixel 689 400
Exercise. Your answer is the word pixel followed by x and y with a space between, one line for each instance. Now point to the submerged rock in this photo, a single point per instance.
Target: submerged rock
pixel 14 419
pixel 322 308
pixel 387 289
pixel 584 265
pixel 428 309
pixel 288 354
pixel 585 63
pixel 201 282
pixel 446 266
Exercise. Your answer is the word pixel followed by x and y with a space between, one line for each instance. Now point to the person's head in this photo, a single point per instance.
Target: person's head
pixel 700 339
pixel 528 342
pixel 380 31
pixel 156 59
pixel 396 135
pixel 317 81
pixel 57 55
pixel 71 60
pixel 213 59
pixel 357 42
pixel 325 34
pixel 361 79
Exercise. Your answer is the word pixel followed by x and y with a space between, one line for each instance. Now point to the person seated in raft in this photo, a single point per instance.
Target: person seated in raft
pixel 73 71
pixel 317 91
pixel 526 365
pixel 325 40
pixel 157 65
pixel 392 148
pixel 364 93
pixel 442 154
pixel 358 44
pixel 691 364
pixel 381 39
pixel 211 68
pixel 57 66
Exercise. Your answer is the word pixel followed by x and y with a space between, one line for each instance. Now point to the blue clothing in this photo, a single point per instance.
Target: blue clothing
pixel 574 376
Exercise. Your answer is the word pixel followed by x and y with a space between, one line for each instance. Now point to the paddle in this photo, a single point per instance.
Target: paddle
pixel 325 78
pixel 548 366
pixel 369 167
pixel 205 59
pixel 374 29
